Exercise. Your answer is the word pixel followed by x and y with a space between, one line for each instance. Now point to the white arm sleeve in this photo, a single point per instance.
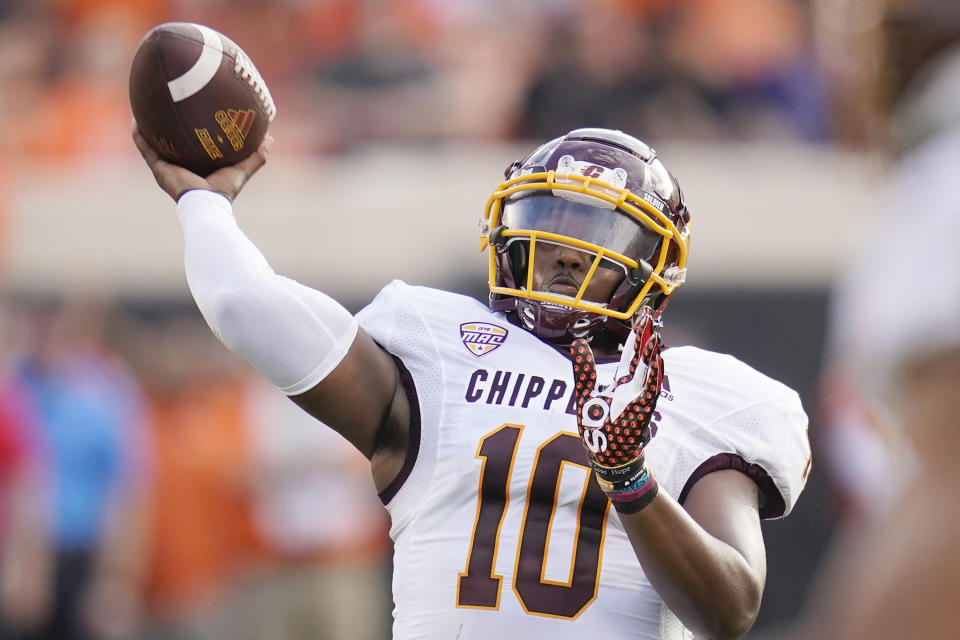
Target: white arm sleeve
pixel 294 335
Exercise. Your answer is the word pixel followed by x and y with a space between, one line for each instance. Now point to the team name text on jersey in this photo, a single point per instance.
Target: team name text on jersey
pixel 519 389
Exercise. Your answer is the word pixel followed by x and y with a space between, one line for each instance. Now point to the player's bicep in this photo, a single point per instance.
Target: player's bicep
pixel 725 504
pixel 361 398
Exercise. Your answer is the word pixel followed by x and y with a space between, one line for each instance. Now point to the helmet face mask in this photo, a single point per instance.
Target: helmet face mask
pixel 599 194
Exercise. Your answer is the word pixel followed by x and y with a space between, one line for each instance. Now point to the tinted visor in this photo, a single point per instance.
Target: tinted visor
pixel 607 228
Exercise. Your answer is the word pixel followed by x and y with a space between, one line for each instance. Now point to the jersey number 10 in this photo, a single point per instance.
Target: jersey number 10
pixel 478 586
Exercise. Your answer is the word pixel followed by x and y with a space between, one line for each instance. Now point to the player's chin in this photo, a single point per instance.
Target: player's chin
pixel 566 290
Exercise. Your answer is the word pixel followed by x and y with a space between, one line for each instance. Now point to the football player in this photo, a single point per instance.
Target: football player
pixel 548 468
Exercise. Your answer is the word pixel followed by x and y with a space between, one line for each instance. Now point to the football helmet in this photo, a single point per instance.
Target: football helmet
pixel 600 192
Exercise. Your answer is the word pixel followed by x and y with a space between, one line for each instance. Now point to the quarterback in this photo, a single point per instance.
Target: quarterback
pixel 549 467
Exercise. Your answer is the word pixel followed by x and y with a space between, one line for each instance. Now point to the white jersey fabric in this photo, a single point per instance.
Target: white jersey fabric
pixel 500 530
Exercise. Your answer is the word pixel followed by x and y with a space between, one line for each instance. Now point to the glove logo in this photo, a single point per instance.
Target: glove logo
pixel 595 440
pixel 594 413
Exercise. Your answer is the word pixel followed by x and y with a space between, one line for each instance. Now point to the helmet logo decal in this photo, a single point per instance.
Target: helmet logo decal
pixel 593 171
pixel 615 178
pixel 482 337
pixel 654 201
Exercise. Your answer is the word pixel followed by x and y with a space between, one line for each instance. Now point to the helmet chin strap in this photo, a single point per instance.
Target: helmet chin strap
pixel 557 324
pixel 624 295
pixel 660 306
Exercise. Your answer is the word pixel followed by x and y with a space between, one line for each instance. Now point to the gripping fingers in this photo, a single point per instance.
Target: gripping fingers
pixel 228 181
pixel 643 405
pixel 592 411
pixel 651 350
pixel 149 155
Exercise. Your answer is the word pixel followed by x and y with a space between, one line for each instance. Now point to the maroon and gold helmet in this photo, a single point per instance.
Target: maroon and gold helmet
pixel 598 191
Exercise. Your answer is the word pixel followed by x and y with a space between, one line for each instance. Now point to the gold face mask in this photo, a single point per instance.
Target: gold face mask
pixel 586 207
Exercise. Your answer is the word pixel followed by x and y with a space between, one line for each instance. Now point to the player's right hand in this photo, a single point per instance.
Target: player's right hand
pixel 176 180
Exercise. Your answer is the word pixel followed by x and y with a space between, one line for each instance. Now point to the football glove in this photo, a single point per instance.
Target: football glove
pixel 614 421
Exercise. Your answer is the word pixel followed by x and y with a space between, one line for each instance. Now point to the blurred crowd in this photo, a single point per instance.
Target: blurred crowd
pixel 348 72
pixel 151 487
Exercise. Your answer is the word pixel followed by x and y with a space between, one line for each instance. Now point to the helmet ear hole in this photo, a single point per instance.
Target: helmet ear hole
pixel 517 254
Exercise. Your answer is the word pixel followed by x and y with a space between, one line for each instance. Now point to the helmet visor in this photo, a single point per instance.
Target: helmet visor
pixel 601 226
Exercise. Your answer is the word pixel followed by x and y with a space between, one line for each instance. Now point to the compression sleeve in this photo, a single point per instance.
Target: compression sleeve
pixel 294 335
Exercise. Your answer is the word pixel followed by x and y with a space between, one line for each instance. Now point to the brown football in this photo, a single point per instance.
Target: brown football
pixel 197 98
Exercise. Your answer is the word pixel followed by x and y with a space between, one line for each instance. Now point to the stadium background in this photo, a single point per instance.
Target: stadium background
pixel 395 120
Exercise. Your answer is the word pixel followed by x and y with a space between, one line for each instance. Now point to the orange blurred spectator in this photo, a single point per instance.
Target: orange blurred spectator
pixel 249 541
pixel 202 529
pixel 202 533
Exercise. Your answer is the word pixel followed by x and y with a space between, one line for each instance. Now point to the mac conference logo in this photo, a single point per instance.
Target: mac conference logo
pixel 482 337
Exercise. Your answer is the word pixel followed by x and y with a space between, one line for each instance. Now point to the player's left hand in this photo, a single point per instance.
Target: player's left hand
pixel 176 180
pixel 614 422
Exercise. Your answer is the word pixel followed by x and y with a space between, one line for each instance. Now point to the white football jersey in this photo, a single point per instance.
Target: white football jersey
pixel 500 530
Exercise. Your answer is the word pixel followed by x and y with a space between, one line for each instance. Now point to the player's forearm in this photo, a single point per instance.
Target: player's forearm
pixel 707 583
pixel 293 334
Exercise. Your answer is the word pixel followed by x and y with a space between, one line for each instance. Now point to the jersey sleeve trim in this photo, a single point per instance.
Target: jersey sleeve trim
pixel 326 366
pixel 772 504
pixel 413 437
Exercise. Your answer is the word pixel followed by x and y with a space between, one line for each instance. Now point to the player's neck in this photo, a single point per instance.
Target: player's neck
pixel 606 347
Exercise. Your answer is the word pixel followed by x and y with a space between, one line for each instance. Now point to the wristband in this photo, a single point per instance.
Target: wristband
pixel 630 487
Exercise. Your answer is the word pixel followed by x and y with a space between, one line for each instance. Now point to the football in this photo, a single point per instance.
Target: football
pixel 197 97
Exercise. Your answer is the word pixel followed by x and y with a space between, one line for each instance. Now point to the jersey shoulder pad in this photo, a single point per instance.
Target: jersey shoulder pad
pixel 720 413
